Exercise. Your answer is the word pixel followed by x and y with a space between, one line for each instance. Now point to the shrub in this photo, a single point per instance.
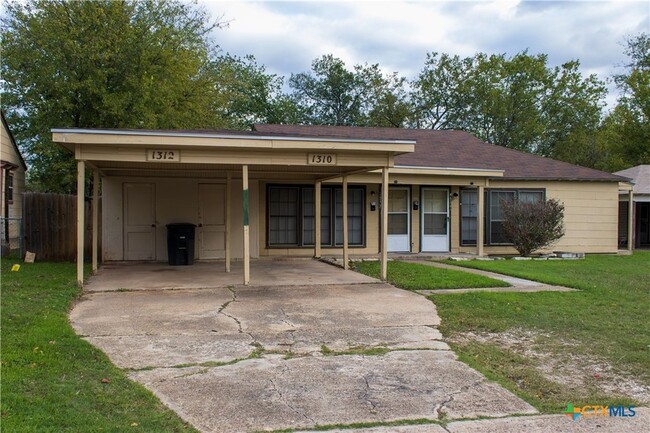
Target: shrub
pixel 532 226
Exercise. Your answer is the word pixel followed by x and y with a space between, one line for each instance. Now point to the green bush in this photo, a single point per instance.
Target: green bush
pixel 531 226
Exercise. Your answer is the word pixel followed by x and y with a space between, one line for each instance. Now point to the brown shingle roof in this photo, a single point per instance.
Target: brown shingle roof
pixel 453 149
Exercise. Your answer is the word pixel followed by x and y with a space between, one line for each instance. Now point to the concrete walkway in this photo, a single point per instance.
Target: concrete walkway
pixel 516 284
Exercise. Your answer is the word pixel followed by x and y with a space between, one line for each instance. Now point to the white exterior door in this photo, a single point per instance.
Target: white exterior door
pixel 399 235
pixel 435 220
pixel 212 221
pixel 139 221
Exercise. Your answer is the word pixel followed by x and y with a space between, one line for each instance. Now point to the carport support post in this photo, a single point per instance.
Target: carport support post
pixel 95 219
pixel 246 228
pixel 228 205
pixel 345 222
pixel 317 225
pixel 630 221
pixel 81 177
pixel 384 223
pixel 479 221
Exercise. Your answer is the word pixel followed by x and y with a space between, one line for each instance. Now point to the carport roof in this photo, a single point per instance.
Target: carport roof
pixel 213 153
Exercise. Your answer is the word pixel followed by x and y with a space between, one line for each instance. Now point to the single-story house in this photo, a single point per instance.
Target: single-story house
pixel 12 185
pixel 283 190
pixel 640 215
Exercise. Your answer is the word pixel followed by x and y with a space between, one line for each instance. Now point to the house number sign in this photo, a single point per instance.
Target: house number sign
pixel 321 159
pixel 167 155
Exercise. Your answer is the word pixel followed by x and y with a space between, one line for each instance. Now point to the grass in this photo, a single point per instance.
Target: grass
pixel 415 276
pixel 52 380
pixel 608 320
pixel 356 350
pixel 365 425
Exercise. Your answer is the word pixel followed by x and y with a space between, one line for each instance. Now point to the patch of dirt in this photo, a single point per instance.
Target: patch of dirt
pixel 575 371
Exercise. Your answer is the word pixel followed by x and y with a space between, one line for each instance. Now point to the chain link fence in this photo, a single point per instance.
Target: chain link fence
pixel 12 237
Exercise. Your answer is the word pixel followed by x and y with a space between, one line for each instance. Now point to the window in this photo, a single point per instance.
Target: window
pixel 9 186
pixel 283 216
pixel 434 211
pixel 398 211
pixel 308 213
pixel 494 216
pixel 531 196
pixel 468 216
pixel 355 216
pixel 291 216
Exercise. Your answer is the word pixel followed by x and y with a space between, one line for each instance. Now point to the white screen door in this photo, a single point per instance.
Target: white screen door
pixel 435 220
pixel 139 221
pixel 399 239
pixel 212 221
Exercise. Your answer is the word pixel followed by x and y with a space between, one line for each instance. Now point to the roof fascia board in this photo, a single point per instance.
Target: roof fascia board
pixel 13 140
pixel 64 133
pixel 559 179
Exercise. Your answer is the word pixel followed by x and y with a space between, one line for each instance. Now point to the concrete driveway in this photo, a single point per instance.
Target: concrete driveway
pixel 241 359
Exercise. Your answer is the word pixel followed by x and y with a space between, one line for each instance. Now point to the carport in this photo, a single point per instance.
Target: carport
pixel 226 157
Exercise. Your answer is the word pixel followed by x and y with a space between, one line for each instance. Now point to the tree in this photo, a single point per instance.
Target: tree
pixel 439 94
pixel 246 94
pixel 102 64
pixel 627 127
pixel 531 226
pixel 517 102
pixel 333 95
pixel 391 106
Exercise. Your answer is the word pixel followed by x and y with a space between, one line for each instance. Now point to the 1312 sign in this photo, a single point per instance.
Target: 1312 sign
pixel 163 155
pixel 321 159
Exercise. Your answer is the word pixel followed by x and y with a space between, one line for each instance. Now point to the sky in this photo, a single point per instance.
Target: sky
pixel 286 37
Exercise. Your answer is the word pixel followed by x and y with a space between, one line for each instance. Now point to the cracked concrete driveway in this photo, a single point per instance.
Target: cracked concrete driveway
pixel 266 358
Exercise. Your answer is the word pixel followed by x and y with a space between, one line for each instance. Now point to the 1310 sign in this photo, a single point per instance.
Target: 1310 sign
pixel 163 155
pixel 321 159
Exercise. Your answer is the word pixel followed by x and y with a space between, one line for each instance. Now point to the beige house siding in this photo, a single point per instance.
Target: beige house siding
pixel 590 215
pixel 8 154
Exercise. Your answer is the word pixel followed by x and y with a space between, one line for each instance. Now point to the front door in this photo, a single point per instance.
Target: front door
pixel 435 220
pixel 139 221
pixel 212 221
pixel 399 237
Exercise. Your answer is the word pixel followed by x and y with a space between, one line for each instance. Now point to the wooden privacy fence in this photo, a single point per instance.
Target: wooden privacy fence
pixel 50 226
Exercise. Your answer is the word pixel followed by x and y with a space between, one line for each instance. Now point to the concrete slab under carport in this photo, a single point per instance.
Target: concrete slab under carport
pixel 267 272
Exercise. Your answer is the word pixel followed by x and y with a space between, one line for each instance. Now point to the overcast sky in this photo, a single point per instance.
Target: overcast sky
pixel 287 36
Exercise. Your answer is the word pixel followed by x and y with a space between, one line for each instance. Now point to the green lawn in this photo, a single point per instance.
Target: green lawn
pixel 415 276
pixel 52 380
pixel 608 320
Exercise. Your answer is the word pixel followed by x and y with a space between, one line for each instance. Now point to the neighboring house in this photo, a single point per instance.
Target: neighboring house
pixel 444 191
pixel 12 181
pixel 640 176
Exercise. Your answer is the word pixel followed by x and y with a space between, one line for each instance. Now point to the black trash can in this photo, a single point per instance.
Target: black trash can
pixel 180 244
